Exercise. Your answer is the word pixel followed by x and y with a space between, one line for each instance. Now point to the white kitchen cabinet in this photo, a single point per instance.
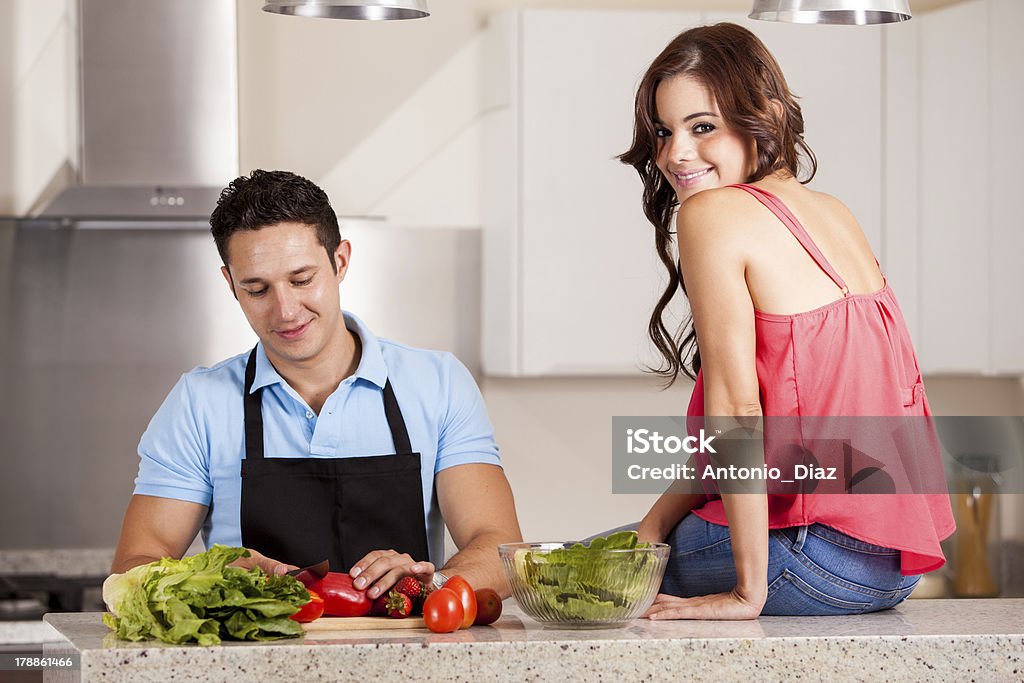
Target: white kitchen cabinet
pixel 954 234
pixel 955 168
pixel 900 252
pixel 915 127
pixel 1006 60
pixel 570 274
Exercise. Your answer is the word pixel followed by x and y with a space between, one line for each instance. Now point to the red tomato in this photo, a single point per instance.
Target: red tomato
pixel 442 611
pixel 311 611
pixel 488 607
pixel 466 595
pixel 341 598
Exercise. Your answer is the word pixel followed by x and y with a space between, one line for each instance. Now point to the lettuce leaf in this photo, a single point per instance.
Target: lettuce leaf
pixel 585 584
pixel 201 599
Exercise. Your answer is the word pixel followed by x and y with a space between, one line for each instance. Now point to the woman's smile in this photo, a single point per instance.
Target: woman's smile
pixel 690 178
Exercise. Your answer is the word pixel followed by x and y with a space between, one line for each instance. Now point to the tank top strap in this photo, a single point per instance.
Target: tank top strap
pixel 782 212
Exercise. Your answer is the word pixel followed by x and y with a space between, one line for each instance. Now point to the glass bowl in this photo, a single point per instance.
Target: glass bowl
pixel 569 585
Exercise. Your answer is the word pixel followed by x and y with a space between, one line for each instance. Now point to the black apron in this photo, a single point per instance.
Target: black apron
pixel 303 510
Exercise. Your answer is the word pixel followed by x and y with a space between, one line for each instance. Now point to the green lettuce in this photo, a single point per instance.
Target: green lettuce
pixel 201 599
pixel 585 584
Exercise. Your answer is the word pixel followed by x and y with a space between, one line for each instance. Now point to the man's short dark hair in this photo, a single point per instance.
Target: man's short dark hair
pixel 266 198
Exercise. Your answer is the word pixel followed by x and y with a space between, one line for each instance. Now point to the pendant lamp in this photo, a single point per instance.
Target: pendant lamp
pixel 350 9
pixel 857 12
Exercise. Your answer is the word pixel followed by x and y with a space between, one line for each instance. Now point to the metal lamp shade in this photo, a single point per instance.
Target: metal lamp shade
pixel 857 12
pixel 375 10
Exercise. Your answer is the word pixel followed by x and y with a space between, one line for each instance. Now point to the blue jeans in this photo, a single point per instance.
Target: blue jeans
pixel 812 570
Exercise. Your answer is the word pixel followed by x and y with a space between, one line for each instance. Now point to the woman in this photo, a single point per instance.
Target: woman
pixel 784 293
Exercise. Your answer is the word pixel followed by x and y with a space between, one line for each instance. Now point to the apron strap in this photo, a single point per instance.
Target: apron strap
pixel 253 410
pixel 396 423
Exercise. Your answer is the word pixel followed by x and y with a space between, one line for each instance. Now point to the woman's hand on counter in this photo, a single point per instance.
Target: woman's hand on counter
pixel 725 606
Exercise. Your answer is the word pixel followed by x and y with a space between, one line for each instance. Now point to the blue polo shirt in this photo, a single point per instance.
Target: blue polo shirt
pixel 194 445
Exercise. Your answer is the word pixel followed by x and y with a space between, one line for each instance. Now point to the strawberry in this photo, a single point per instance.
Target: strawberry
pixel 427 589
pixel 409 587
pixel 399 605
pixel 380 607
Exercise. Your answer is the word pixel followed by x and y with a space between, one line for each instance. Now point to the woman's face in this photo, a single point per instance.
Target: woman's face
pixel 696 148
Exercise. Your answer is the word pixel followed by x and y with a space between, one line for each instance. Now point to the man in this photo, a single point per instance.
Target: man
pixel 322 441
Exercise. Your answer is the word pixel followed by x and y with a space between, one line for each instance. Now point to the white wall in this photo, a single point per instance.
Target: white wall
pixel 555 438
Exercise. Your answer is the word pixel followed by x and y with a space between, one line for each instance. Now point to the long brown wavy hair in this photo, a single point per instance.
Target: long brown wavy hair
pixel 744 79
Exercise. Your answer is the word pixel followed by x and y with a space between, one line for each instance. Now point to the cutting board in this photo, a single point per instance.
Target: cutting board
pixel 363 623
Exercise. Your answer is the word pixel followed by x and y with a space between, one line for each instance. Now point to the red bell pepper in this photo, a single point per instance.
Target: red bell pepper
pixel 311 611
pixel 341 598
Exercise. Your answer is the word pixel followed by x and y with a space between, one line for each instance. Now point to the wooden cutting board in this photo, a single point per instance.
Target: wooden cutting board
pixel 363 623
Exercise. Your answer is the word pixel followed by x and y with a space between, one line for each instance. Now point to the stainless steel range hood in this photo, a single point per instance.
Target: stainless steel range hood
pixel 157 120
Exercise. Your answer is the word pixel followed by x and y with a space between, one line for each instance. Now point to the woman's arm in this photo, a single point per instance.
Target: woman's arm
pixel 748 529
pixel 713 235
pixel 666 512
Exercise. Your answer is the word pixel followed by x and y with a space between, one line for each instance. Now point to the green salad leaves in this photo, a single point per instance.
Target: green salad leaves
pixel 585 583
pixel 201 599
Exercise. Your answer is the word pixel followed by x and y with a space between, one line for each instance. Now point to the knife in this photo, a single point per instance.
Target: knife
pixel 311 574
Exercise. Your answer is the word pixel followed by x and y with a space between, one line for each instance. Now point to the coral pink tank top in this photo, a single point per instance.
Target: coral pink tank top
pixel 852 357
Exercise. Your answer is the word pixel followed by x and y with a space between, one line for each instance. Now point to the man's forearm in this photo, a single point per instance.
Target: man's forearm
pixel 123 564
pixel 479 563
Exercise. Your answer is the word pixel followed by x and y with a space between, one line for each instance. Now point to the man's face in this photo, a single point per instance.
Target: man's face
pixel 287 289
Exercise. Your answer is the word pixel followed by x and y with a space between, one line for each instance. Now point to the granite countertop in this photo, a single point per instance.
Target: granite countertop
pixel 27 633
pixel 61 562
pixel 921 639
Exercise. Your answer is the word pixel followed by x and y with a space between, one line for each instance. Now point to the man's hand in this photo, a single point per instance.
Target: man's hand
pixel 270 567
pixel 381 569
pixel 728 606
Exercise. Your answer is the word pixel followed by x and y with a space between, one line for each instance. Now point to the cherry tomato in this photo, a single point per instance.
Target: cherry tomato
pixel 488 607
pixel 442 611
pixel 461 587
pixel 311 611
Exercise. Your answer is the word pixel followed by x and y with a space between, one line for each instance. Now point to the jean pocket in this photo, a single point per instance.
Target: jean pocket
pixel 847 542
pixel 790 595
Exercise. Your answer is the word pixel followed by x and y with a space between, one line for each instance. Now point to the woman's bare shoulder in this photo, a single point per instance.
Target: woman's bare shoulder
pixel 724 217
pixel 832 203
pixel 720 206
pixel 816 207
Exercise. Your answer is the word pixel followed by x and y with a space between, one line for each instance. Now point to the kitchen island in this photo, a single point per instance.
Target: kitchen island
pixel 921 639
